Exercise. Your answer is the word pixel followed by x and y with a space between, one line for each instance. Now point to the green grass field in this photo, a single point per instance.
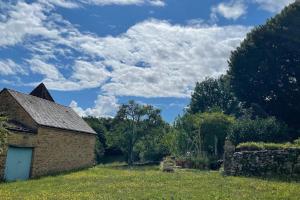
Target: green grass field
pixel 117 182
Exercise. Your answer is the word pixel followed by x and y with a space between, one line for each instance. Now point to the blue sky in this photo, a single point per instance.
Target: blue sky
pixel 94 55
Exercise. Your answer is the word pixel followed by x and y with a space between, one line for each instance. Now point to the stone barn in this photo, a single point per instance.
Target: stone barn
pixel 44 137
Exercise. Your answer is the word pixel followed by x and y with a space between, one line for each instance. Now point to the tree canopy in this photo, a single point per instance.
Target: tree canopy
pixel 213 94
pixel 265 69
pixel 135 124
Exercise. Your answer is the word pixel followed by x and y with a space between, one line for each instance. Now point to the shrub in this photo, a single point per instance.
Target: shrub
pixel 198 162
pixel 258 130
pixel 200 133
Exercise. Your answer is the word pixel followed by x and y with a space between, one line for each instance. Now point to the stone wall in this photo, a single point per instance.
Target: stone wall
pixel 54 150
pixel 15 111
pixel 62 150
pixel 262 163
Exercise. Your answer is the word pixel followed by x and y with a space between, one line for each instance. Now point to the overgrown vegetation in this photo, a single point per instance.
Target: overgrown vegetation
pixel 256 146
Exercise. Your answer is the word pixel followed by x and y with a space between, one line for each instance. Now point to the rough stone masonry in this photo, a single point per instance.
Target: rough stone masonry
pixel 266 163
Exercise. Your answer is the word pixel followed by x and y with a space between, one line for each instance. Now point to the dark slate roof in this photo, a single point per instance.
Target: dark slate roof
pixel 42 92
pixel 48 113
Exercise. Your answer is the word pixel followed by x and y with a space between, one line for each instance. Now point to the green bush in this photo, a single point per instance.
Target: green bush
pixel 258 130
pixel 257 146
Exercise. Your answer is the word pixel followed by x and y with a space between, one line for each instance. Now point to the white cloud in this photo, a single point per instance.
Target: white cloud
pixel 79 3
pixel 114 2
pixel 24 20
pixel 152 59
pixel 9 67
pixel 40 67
pixel 231 10
pixel 157 59
pixel 61 3
pixel 157 2
pixel 105 106
pixel 235 9
pixel 273 5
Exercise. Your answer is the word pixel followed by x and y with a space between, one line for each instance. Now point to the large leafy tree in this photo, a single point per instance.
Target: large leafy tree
pixel 133 124
pixel 213 94
pixel 265 69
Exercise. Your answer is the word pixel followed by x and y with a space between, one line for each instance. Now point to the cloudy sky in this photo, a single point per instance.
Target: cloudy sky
pixel 97 54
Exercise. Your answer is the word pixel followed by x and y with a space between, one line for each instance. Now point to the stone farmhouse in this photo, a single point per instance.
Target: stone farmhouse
pixel 44 137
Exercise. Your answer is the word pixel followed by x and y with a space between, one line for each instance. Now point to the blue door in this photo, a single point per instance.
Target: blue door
pixel 18 162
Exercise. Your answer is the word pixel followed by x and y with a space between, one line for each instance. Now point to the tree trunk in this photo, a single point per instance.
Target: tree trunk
pixel 216 145
pixel 130 155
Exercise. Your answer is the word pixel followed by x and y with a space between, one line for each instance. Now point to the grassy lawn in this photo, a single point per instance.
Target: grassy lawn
pixel 117 182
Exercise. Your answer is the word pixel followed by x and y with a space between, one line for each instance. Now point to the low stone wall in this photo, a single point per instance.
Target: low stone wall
pixel 262 163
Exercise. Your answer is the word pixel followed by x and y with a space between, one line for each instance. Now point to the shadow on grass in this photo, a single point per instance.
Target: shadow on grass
pixel 278 178
pixel 135 166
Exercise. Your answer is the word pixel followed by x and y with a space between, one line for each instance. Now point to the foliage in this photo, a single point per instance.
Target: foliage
pixel 3 133
pixel 101 126
pixel 151 147
pixel 297 141
pixel 148 182
pixel 200 134
pixel 254 146
pixel 258 130
pixel 213 94
pixel 136 129
pixel 265 69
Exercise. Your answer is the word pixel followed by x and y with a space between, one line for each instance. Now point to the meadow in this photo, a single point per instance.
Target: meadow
pixel 121 182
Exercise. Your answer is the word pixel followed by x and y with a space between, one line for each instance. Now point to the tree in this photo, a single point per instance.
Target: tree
pixel 101 126
pixel 133 124
pixel 265 69
pixel 213 94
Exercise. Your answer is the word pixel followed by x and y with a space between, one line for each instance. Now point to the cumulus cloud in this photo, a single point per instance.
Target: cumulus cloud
pixel 234 9
pixel 23 20
pixel 80 3
pixel 157 59
pixel 9 67
pixel 230 10
pixel 272 5
pixel 40 67
pixel 105 106
pixel 61 3
pixel 151 59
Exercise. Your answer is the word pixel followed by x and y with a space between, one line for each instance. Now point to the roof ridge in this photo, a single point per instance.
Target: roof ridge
pixel 51 114
pixel 36 97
